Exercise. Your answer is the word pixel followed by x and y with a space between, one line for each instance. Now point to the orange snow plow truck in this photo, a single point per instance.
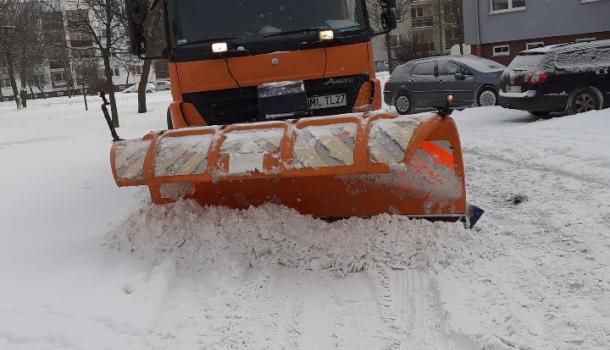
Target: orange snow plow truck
pixel 276 101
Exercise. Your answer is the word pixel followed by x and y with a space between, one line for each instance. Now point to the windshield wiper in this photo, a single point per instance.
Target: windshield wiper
pixel 294 31
pixel 205 41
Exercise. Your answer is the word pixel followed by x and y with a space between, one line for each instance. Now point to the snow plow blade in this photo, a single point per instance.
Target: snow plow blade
pixel 330 167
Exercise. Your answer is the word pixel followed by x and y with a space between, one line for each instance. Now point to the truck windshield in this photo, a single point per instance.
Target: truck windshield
pixel 196 21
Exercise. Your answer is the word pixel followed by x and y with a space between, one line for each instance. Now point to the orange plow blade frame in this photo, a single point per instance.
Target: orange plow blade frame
pixel 331 167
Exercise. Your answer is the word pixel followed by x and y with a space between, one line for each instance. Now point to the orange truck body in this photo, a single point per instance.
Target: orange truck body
pixel 359 163
pixel 251 71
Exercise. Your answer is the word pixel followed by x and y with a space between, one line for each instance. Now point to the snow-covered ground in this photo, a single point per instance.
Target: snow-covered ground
pixel 85 265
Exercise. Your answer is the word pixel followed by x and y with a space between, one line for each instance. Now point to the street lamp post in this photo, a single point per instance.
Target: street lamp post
pixel 7 32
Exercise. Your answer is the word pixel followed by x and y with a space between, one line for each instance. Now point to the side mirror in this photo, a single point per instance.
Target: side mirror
pixel 137 11
pixel 146 28
pixel 460 76
pixel 388 21
pixel 387 15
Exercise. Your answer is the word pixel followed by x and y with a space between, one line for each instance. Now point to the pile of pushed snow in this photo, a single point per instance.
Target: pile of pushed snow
pixel 199 238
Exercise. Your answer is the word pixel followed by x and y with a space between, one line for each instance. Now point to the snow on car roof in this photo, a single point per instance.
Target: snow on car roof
pixel 576 45
pixel 478 63
pixel 543 49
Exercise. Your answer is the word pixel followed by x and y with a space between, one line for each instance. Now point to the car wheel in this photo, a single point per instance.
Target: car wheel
pixel 170 125
pixel 487 97
pixel 584 100
pixel 403 104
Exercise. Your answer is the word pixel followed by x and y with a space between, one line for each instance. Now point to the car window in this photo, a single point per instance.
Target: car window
pixel 465 71
pixel 589 58
pixel 399 72
pixel 426 68
pixel 528 62
pixel 448 68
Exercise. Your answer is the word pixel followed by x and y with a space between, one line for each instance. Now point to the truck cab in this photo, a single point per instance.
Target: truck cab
pixel 241 61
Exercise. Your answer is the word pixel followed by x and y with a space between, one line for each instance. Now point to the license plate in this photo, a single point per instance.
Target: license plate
pixel 513 88
pixel 328 101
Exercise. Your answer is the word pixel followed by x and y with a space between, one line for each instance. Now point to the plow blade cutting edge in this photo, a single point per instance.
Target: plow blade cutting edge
pixel 331 167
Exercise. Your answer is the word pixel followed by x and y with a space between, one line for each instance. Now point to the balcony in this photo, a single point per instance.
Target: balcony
pixel 59 84
pixel 423 47
pixel 81 43
pixel 419 22
pixel 56 65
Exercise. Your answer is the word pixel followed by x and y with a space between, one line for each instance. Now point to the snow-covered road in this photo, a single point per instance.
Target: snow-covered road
pixel 85 265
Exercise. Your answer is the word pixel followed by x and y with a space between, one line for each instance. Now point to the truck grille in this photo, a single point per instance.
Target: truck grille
pixel 241 105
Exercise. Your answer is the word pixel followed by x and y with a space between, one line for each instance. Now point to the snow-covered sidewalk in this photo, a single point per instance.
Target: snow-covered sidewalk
pixel 86 265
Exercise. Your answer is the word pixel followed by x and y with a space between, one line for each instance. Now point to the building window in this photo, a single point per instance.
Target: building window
pixel 417 12
pixel 534 45
pixel 395 40
pixel 136 70
pixel 501 50
pixel 499 6
pixel 57 76
pixel 56 64
pixel 115 72
pixel 5 83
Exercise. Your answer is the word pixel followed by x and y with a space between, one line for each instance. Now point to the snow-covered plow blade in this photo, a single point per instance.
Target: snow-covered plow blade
pixel 331 167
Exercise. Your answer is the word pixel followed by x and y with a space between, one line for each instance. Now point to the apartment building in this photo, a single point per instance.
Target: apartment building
pixel 68 53
pixel 423 25
pixel 500 29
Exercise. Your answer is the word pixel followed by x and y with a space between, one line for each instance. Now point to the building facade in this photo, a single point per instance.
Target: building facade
pixel 71 58
pixel 425 28
pixel 500 29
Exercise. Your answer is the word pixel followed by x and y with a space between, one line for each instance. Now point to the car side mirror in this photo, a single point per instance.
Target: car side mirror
pixel 460 76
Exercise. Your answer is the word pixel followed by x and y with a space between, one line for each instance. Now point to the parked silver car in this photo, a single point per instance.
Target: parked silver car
pixel 162 85
pixel 425 83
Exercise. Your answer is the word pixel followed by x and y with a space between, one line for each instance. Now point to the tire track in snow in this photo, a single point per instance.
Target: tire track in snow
pixel 589 179
pixel 359 324
pixel 341 313
pixel 415 314
pixel 553 245
pixel 285 311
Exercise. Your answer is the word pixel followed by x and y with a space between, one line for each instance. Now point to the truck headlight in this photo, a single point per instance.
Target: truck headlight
pixel 327 35
pixel 220 47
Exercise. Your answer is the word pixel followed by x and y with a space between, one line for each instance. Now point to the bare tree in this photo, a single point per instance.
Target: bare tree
pixel 8 25
pixel 103 21
pixel 454 19
pixel 29 54
pixel 129 63
pixel 86 74
pixel 406 51
pixel 38 79
pixel 155 36
pixel 1 78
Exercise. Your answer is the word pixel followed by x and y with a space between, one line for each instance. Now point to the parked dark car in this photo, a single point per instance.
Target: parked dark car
pixel 564 78
pixel 425 83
